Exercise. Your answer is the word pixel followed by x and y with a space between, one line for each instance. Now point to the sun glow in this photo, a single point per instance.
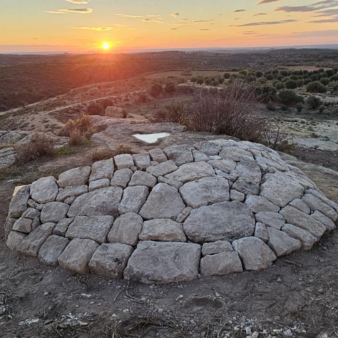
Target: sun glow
pixel 106 45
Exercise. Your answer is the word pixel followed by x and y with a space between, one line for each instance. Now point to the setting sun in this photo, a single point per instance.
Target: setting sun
pixel 106 45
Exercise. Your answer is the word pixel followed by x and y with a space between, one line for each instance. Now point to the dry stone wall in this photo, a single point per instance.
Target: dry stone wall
pixel 171 215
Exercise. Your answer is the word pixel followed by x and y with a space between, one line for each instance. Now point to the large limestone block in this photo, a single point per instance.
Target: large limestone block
pixel 164 230
pixel 157 155
pixel 102 169
pixel 133 199
pixel 205 191
pixel 281 243
pixel 18 203
pixel 51 250
pixel 126 229
pixel 236 154
pixel 246 187
pixel 199 156
pixel 124 161
pixel 254 253
pixel 330 225
pixel 62 227
pixel 180 154
pixel 74 177
pixel 214 248
pixel 121 178
pixel 164 201
pixel 316 203
pixel 272 219
pixel 221 264
pixel 300 205
pixel 23 225
pixel 54 212
pixel 323 198
pixel 280 189
pixel 90 227
pixel 162 169
pixel 159 262
pixel 99 184
pixel 44 190
pixel 115 112
pixel 8 227
pixel 220 221
pixel 249 171
pixel 31 245
pixel 261 232
pixel 110 260
pixel 77 255
pixel 142 178
pixel 306 238
pixel 209 148
pixel 226 165
pixel 258 204
pixel 14 239
pixel 142 161
pixel 71 191
pixel 304 221
pixel 99 202
pixel 191 171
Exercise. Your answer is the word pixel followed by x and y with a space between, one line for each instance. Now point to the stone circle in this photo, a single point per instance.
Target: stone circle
pixel 171 215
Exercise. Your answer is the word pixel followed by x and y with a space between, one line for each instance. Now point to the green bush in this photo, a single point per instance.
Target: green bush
pixel 289 97
pixel 269 77
pixel 291 84
pixel 280 86
pixel 314 102
pixel 299 107
pixel 259 74
pixel 227 75
pixel 300 83
pixel 325 81
pixel 200 80
pixel 315 87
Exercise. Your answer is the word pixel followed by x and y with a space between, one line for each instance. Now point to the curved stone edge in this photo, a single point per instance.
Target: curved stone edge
pixel 281 225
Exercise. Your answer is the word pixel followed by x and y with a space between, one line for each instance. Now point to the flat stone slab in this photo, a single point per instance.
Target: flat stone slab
pixel 77 255
pixel 102 169
pixel 164 201
pixel 272 219
pixel 258 204
pixel 191 171
pixel 123 161
pixel 70 192
pixel 110 260
pixel 62 226
pixel 99 184
pixel 99 202
pixel 142 161
pixel 133 199
pixel 162 168
pixel 74 177
pixel 157 155
pixel 164 230
pixel 52 249
pixel 281 243
pixel 315 203
pixel 31 245
pixel 126 229
pixel 220 221
pixel 142 178
pixel 121 178
pixel 254 253
pixel 208 190
pixel 306 239
pixel 90 227
pixel 14 239
pixel 180 154
pixel 19 201
pixel 54 212
pixel 158 262
pixel 214 248
pixel 221 264
pixel 44 190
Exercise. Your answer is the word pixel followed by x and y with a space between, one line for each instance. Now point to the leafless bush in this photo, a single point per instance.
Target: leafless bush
pixel 230 111
pixel 40 145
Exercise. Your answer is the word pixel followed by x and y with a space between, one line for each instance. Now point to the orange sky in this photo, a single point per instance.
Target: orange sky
pixel 83 25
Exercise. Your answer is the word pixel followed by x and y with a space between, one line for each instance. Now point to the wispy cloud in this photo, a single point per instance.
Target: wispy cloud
pixel 101 29
pixel 330 20
pixel 78 2
pixel 291 9
pixel 175 15
pixel 71 10
pixel 203 21
pixel 204 29
pixel 152 20
pixel 249 33
pixel 129 16
pixel 317 6
pixel 239 10
pixel 260 14
pixel 261 2
pixel 265 23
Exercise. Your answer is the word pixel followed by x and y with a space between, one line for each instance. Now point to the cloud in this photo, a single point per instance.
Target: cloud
pixel 335 19
pixel 261 2
pixel 249 33
pixel 99 29
pixel 78 2
pixel 328 12
pixel 265 23
pixel 239 10
pixel 326 4
pixel 202 21
pixel 204 29
pixel 71 10
pixel 259 14
pixel 152 20
pixel 129 16
pixel 291 9
pixel 175 15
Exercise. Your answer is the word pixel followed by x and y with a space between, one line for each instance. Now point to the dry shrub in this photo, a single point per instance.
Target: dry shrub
pixel 230 111
pixel 78 130
pixel 40 145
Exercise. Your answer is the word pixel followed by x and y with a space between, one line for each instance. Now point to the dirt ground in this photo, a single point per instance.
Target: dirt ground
pixel 297 297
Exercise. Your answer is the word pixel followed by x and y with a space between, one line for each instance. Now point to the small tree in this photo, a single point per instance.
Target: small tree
pixel 315 87
pixel 227 75
pixel 289 97
pixel 325 81
pixel 291 84
pixel 314 102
